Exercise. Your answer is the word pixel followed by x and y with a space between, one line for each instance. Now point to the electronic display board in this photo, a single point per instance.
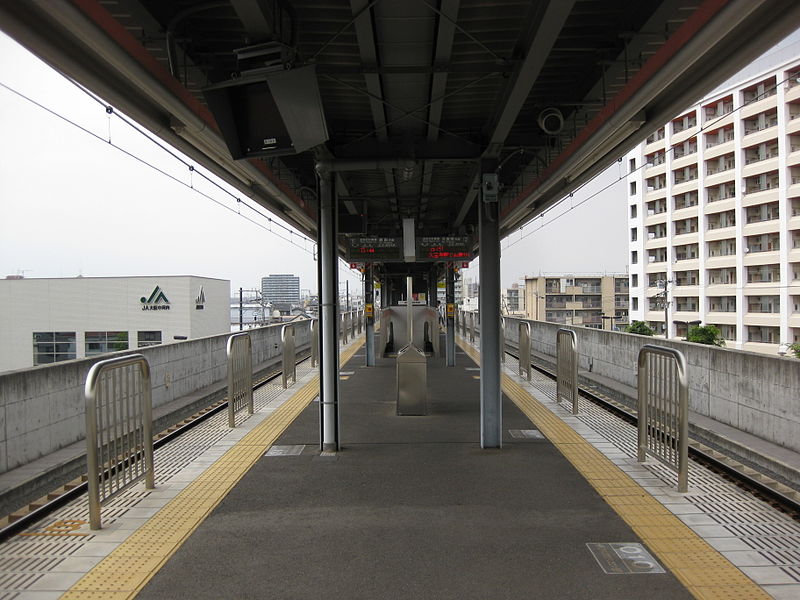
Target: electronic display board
pixel 444 247
pixel 374 248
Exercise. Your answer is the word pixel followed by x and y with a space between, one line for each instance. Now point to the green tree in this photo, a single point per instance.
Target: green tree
pixel 639 327
pixel 708 334
pixel 795 348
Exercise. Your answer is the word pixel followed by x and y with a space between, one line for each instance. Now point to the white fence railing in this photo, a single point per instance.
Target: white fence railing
pixel 240 375
pixel 119 429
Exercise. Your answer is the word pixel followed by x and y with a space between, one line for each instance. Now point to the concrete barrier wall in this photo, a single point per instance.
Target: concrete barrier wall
pixel 42 409
pixel 755 393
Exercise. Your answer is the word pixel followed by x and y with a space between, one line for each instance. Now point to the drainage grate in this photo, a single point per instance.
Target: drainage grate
pixel 285 450
pixel 624 559
pixel 534 434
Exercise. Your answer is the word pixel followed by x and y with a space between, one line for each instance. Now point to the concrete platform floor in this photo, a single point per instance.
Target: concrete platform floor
pixel 411 507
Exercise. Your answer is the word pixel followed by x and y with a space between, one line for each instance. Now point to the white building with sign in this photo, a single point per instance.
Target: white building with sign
pixel 43 321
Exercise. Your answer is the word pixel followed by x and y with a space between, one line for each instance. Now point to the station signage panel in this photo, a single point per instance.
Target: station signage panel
pixel 362 249
pixel 444 247
pixel 374 248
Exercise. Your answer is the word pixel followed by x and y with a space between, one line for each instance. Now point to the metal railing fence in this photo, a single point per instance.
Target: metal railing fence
pixel 314 330
pixel 567 368
pixel 343 327
pixel 240 375
pixel 525 350
pixel 289 359
pixel 119 429
pixel 664 409
pixel 502 340
pixel 472 327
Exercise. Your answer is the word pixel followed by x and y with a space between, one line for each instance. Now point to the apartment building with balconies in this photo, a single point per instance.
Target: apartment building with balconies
pixel 596 301
pixel 714 212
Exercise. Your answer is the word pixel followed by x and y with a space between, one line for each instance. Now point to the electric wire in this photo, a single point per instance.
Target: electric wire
pixel 192 169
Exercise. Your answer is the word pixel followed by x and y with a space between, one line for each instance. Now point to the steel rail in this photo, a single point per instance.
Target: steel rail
pixel 758 488
pixel 161 439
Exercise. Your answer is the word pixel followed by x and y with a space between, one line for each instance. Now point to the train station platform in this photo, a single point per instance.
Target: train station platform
pixel 412 507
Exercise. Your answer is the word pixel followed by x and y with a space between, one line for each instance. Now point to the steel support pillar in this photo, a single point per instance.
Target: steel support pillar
pixel 433 290
pixel 450 299
pixel 369 315
pixel 328 274
pixel 489 308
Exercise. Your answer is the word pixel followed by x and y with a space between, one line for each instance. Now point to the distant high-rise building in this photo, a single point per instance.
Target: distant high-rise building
pixel 595 301
pixel 281 287
pixel 714 212
pixel 513 300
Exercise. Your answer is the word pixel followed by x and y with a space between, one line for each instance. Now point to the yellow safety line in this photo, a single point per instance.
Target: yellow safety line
pixel 130 566
pixel 705 572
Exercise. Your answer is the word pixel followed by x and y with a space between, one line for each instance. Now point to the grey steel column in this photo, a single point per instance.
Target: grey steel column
pixel 328 315
pixel 369 314
pixel 489 310
pixel 450 299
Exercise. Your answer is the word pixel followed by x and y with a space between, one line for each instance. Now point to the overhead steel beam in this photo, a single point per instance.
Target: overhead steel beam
pixel 553 18
pixel 365 35
pixel 254 15
pixel 439 67
pixel 549 26
pixel 443 52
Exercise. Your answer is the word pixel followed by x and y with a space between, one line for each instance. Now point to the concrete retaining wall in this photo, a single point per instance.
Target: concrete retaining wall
pixel 42 409
pixel 755 393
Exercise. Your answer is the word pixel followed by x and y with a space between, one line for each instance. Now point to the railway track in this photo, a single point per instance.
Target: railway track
pixel 775 493
pixel 37 510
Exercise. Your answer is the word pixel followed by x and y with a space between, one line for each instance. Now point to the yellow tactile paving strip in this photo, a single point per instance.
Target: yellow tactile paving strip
pixel 705 572
pixel 128 568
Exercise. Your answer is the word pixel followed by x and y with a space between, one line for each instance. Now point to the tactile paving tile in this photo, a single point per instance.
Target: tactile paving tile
pixel 675 544
pixel 25 559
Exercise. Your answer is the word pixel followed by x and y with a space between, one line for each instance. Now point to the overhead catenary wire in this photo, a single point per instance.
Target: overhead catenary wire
pixel 191 167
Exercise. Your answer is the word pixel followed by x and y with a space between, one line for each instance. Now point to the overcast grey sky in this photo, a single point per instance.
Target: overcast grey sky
pixel 71 204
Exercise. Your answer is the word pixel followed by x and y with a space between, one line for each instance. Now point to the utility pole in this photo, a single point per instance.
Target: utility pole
pixel 241 324
pixel 665 297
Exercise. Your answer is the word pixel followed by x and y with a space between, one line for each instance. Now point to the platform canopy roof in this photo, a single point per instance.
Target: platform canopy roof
pixel 418 96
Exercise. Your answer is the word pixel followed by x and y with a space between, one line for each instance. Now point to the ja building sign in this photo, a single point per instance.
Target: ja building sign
pixel 157 301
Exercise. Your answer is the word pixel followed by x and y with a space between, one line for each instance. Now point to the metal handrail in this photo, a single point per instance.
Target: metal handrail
pixel 664 409
pixel 525 349
pixel 502 340
pixel 567 368
pixel 289 366
pixel 119 429
pixel 240 375
pixel 314 330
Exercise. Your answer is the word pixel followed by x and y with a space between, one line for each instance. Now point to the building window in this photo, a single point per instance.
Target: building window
pixel 634 257
pixel 148 338
pixel 633 211
pixel 635 303
pixel 633 188
pixel 632 164
pixel 100 342
pixel 764 335
pixel 634 234
pixel 634 280
pixel 50 347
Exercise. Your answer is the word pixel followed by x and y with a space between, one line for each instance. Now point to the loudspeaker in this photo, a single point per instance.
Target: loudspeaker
pixel 273 114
